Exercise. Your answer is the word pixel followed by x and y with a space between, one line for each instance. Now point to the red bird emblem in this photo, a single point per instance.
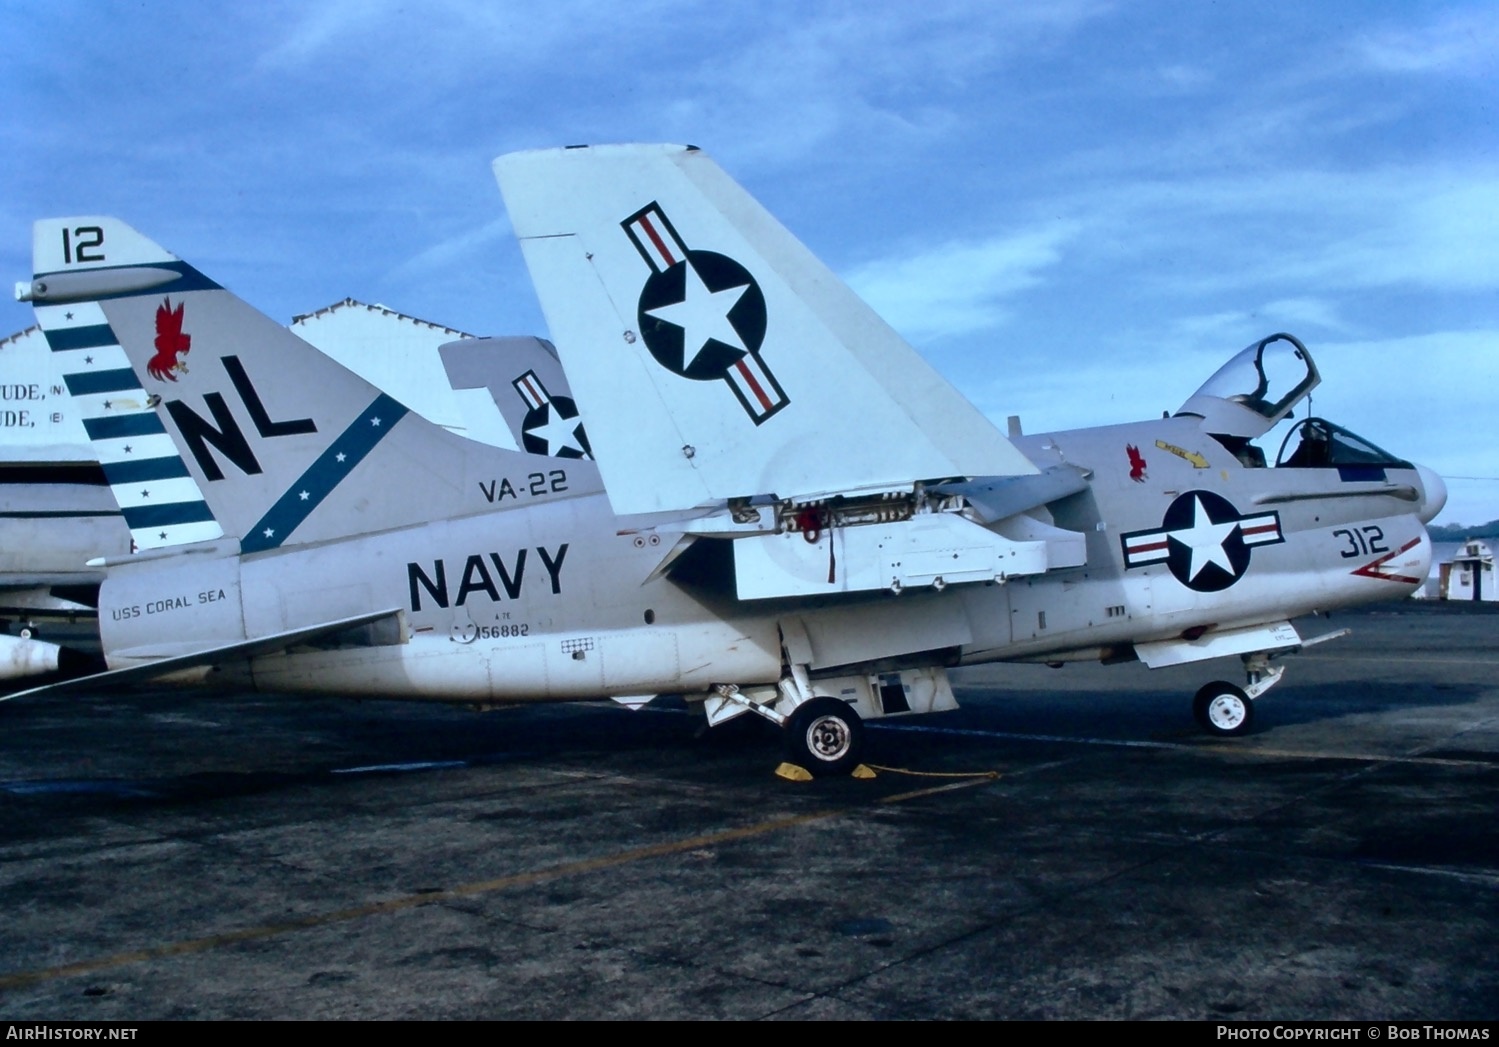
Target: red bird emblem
pixel 1136 463
pixel 171 344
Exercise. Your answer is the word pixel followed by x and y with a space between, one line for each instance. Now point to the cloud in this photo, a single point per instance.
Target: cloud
pixel 789 80
pixel 1297 314
pixel 1182 77
pixel 319 28
pixel 442 258
pixel 958 287
pixel 1460 42
pixel 1413 228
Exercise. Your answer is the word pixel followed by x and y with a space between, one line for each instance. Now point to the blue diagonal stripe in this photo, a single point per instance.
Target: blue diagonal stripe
pixel 91 337
pixel 111 381
pixel 325 474
pixel 112 427
pixel 170 468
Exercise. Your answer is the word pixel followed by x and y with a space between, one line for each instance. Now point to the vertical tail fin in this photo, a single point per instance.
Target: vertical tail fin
pixel 162 502
pixel 712 354
pixel 526 383
pixel 211 418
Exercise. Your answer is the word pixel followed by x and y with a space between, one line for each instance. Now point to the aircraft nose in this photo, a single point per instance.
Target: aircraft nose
pixel 1434 488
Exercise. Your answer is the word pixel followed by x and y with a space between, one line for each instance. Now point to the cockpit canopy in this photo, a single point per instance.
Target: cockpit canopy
pixel 1316 443
pixel 1256 389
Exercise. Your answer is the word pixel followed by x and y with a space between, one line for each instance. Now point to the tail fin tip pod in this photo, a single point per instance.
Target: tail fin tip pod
pixel 210 418
pixel 714 356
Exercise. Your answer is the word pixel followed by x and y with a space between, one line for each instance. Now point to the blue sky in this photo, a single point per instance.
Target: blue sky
pixel 1076 210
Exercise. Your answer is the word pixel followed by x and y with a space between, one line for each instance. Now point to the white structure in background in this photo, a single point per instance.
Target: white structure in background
pixel 1470 575
pixel 37 419
pixel 55 509
pixel 398 353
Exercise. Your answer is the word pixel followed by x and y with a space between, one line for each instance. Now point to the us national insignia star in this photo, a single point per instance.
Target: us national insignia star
pixel 1204 541
pixel 702 315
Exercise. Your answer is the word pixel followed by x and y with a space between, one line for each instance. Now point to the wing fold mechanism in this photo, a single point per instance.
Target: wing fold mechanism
pixel 377 628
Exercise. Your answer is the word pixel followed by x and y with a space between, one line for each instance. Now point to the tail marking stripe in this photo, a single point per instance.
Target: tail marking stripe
pixel 128 472
pixel 91 337
pixel 112 381
pixel 325 474
pixel 113 427
pixel 148 516
pixel 128 437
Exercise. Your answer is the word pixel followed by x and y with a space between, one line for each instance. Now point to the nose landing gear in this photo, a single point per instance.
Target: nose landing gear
pixel 1223 709
pixel 1226 710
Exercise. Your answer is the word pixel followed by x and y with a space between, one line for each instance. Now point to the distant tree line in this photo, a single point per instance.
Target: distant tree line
pixel 1462 532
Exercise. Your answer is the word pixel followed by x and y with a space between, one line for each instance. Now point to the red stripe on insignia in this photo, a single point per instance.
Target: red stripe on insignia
pixel 1151 548
pixel 1268 528
pixel 650 230
pixel 755 387
pixel 534 396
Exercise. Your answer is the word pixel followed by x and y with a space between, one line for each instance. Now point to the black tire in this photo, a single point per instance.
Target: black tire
pixel 825 736
pixel 1223 710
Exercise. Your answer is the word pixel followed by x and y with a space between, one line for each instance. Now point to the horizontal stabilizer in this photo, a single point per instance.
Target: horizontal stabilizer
pixel 115 679
pixel 712 355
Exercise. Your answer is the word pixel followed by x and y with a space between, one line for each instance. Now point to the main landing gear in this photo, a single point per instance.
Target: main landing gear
pixel 822 720
pixel 825 736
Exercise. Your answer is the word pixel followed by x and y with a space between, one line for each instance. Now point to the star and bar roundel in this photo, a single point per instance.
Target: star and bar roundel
pixel 551 426
pixel 702 315
pixel 1203 540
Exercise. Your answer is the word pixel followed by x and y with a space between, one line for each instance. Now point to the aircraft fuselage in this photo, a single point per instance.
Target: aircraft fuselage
pixel 553 602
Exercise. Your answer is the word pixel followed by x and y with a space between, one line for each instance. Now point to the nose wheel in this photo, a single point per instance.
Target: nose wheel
pixel 1223 709
pixel 1226 710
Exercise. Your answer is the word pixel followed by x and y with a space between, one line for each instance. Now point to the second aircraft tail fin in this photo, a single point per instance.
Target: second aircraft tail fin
pixel 713 355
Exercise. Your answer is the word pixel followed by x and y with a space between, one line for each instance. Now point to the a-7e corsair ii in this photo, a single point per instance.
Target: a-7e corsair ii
pixel 792 514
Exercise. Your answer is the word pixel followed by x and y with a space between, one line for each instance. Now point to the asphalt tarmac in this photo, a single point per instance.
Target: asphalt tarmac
pixel 179 855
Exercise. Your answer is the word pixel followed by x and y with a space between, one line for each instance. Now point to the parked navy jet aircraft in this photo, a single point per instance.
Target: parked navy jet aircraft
pixel 791 514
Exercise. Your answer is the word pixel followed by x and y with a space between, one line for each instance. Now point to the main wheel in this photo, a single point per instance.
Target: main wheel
pixel 1223 709
pixel 825 736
